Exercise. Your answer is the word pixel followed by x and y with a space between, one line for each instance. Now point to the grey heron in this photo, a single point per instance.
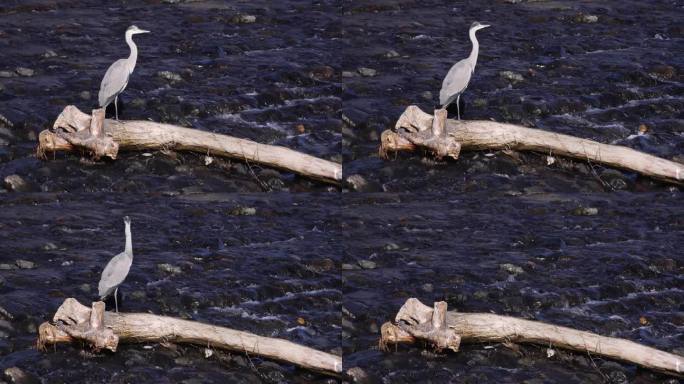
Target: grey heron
pixel 117 269
pixel 116 78
pixel 458 77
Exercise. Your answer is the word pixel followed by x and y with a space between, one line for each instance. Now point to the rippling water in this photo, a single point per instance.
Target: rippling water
pixel 500 232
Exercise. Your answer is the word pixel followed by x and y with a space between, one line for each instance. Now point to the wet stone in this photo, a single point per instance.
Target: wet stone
pixel 585 211
pixel 49 53
pixel 367 264
pixel 170 76
pixel 511 268
pixel 7 267
pixel 356 182
pixel 168 268
pixel 85 288
pixel 26 72
pixel 244 19
pixel 349 74
pixel 25 264
pixel 16 375
pixel 511 76
pixel 85 95
pixel 7 74
pixel 367 72
pixel 583 18
pixel 243 211
pixel 391 54
pixel 16 183
pixel 427 95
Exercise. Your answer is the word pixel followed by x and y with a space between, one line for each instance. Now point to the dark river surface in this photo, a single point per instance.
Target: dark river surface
pixel 570 243
pixel 206 257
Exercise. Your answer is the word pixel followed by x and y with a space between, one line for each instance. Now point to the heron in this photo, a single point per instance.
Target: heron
pixel 458 77
pixel 116 78
pixel 117 269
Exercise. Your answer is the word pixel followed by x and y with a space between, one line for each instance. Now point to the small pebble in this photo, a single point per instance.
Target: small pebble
pixel 244 19
pixel 26 72
pixel 168 75
pixel 16 183
pixel 511 268
pixel 367 264
pixel 391 54
pixel 168 268
pixel 367 72
pixel 25 264
pixel 511 76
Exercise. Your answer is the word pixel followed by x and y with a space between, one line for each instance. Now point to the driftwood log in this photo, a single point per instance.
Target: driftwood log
pixel 416 321
pixel 74 129
pixel 416 128
pixel 103 330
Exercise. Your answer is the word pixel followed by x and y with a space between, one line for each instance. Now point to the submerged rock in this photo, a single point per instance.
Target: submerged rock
pixel 16 183
pixel 168 75
pixel 243 19
pixel 367 72
pixel 511 268
pixel 511 76
pixel 168 268
pixel 25 264
pixel 585 211
pixel 17 375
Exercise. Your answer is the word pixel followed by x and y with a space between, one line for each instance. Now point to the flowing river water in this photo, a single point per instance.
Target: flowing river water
pixel 266 251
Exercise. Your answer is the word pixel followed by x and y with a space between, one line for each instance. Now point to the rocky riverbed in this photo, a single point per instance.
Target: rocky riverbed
pixel 266 264
pixel 591 262
pixel 603 70
pixel 257 70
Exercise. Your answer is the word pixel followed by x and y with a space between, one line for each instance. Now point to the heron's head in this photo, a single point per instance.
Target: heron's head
pixel 127 220
pixel 476 26
pixel 133 30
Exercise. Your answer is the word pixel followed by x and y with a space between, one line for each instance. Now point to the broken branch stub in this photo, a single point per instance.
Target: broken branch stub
pixel 73 130
pixel 103 330
pixel 415 129
pixel 416 321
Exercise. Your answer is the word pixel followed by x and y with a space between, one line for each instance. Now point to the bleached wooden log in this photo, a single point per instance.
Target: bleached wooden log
pixel 489 135
pixel 103 330
pixel 72 130
pixel 414 319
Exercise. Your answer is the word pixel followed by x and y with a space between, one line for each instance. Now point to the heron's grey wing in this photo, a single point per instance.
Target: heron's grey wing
pixel 114 273
pixel 113 82
pixel 455 81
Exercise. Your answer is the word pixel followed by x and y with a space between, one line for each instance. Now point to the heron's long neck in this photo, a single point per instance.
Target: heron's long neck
pixel 133 57
pixel 129 240
pixel 476 48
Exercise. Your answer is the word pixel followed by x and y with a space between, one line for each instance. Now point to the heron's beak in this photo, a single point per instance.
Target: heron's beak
pixel 484 25
pixel 143 31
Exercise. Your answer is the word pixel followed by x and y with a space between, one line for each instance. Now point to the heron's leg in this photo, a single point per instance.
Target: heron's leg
pixel 116 302
pixel 458 106
pixel 116 109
